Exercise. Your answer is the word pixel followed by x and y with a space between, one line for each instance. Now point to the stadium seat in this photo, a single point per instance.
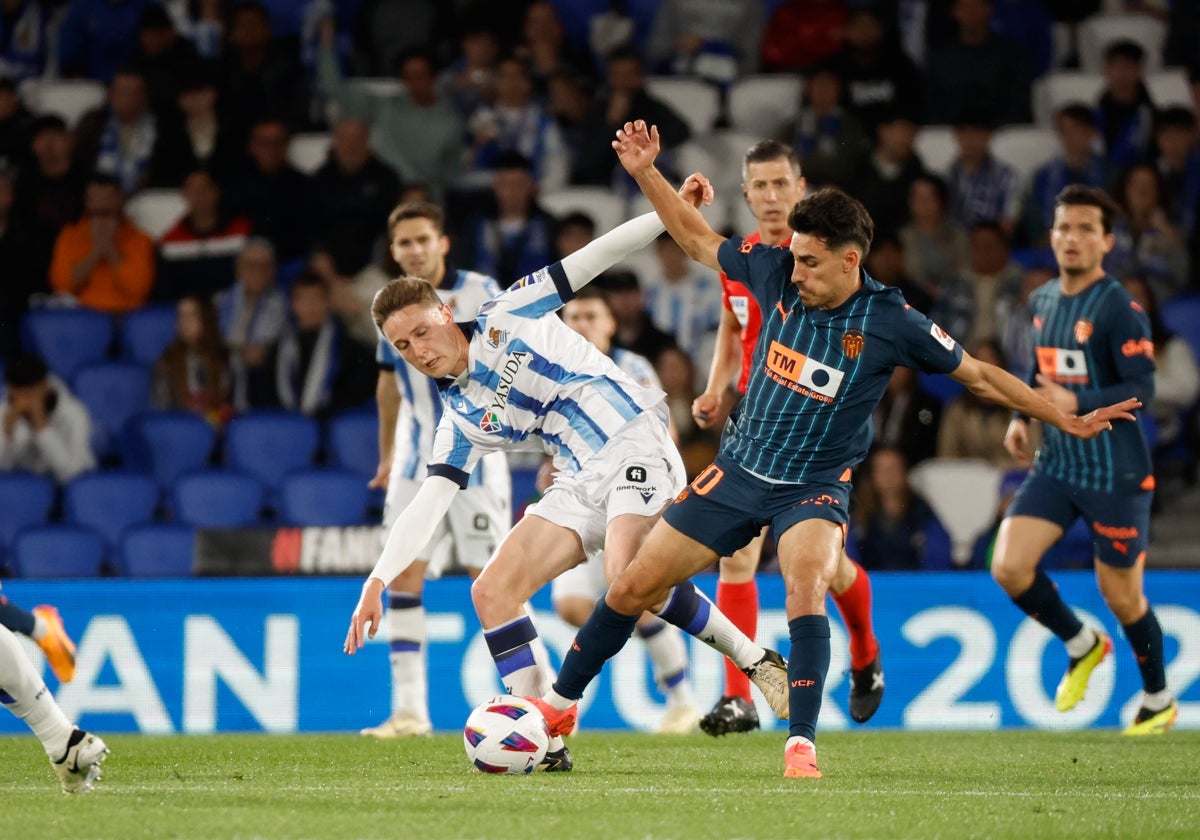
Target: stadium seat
pixel 1055 90
pixel 323 497
pixel 308 152
pixel 1170 87
pixel 113 392
pixel 352 442
pixel 939 386
pixel 158 550
pixel 58 551
pixel 67 339
pixel 269 444
pixel 1098 31
pixel 168 444
pixel 217 499
pixel 964 494
pixel 109 502
pixel 1025 148
pixel 1181 315
pixel 764 105
pixel 66 98
pixel 156 211
pixel 936 147
pixel 600 204
pixel 696 102
pixel 25 499
pixel 145 333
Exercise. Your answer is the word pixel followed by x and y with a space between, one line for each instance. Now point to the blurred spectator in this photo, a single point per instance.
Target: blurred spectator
pixel 46 429
pixel 683 298
pixel 1079 163
pixel 885 262
pixel 195 257
pixel 98 36
pixel 1125 112
pixel 354 193
pixel 203 23
pixel 981 187
pixel 1176 374
pixel 163 59
pixel 907 418
pixel 1178 166
pixel 1027 23
pixel 198 137
pixel 546 50
pixel 878 78
pixel 972 427
pixel 259 74
pixel 18 254
pixel 516 123
pixel 1182 48
pixel 276 197
pixel 24 39
pixel 251 314
pixel 1146 244
pixel 828 138
pixel 385 30
pixel 1016 332
pixel 697 446
pixel 314 368
pixel 514 239
pixel 122 138
pixel 573 232
pixel 935 248
pixel 468 83
pixel 103 261
pixel 977 69
pixel 624 98
pixel 193 373
pixel 891 523
pixel 635 331
pixel 50 188
pixel 976 304
pixel 569 102
pixel 717 41
pixel 883 177
pixel 15 122
pixel 801 33
pixel 418 133
pixel 351 296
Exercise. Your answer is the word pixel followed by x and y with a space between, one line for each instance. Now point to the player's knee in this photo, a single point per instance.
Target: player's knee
pixel 1126 604
pixel 488 597
pixel 627 597
pixel 574 611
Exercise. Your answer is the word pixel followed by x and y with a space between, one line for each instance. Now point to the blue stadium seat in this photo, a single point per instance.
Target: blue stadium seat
pixel 145 334
pixel 67 339
pixel 25 499
pixel 109 502
pixel 218 499
pixel 323 497
pixel 352 442
pixel 270 444
pixel 939 386
pixel 158 550
pixel 168 444
pixel 113 392
pixel 58 551
pixel 1181 316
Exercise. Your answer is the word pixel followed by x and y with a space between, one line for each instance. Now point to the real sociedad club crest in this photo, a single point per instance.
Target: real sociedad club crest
pixel 496 337
pixel 490 422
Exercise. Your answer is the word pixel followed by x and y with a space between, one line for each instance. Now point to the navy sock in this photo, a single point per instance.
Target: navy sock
pixel 16 619
pixel 601 637
pixel 1146 639
pixel 808 663
pixel 1043 604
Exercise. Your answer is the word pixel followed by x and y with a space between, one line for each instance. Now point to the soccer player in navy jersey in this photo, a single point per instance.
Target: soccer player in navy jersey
pixel 1092 343
pixel 831 336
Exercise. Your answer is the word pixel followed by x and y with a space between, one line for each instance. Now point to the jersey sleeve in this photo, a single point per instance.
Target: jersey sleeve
pixel 454 455
pixel 534 295
pixel 920 343
pixel 761 268
pixel 1127 331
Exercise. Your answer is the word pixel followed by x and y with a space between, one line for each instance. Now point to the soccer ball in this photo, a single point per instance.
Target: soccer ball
pixel 506 735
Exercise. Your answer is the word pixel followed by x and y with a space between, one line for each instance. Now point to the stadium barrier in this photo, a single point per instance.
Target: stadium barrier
pixel 219 655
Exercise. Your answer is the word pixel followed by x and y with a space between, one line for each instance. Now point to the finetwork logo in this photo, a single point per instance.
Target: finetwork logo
pixel 490 422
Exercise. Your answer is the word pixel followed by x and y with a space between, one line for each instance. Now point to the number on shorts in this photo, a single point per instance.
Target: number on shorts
pixel 708 479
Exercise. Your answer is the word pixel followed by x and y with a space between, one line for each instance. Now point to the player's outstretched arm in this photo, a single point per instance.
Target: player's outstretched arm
pixel 412 529
pixel 1001 387
pixel 637 146
pixel 711 408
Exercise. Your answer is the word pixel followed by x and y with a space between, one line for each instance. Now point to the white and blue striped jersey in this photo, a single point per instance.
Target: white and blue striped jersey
pixel 421 404
pixel 642 372
pixel 533 383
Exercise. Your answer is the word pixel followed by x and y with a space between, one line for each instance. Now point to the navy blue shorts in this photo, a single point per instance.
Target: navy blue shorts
pixel 725 507
pixel 1119 522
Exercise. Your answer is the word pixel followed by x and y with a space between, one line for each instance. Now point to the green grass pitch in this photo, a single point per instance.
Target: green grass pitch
pixel 884 784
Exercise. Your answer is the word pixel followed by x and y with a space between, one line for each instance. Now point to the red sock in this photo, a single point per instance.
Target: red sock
pixel 855 606
pixel 739 601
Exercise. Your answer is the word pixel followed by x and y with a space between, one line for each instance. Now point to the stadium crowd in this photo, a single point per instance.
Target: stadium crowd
pixel 194 196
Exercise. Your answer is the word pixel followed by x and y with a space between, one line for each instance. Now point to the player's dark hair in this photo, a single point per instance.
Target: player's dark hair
pixel 835 218
pixel 765 151
pixel 417 210
pixel 1077 195
pixel 1077 112
pixel 402 292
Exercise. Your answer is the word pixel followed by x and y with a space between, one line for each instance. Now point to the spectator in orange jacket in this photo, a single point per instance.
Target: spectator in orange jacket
pixel 103 260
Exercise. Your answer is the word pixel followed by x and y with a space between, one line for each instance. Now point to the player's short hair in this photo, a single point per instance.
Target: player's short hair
pixel 401 292
pixel 768 150
pixel 416 210
pixel 1078 195
pixel 835 218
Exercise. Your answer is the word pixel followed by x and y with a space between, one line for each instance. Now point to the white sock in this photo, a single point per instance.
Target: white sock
pixel 40 628
pixel 668 654
pixel 25 695
pixel 691 610
pixel 406 641
pixel 1158 701
pixel 1081 642
pixel 799 739
pixel 522 659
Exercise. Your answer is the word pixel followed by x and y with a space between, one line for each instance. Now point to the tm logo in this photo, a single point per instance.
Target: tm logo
pixel 490 422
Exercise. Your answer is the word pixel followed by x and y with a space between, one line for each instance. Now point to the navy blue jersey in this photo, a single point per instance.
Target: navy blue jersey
pixel 1097 344
pixel 818 374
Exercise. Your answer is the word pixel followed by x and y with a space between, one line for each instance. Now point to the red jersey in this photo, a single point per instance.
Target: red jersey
pixel 740 301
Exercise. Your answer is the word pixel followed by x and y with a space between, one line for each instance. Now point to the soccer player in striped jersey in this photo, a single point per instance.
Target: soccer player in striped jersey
pixel 772 184
pixel 409 409
pixel 1092 343
pixel 516 377
pixel 831 336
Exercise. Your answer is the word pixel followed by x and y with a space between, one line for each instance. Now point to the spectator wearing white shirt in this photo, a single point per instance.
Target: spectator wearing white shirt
pixel 683 298
pixel 46 430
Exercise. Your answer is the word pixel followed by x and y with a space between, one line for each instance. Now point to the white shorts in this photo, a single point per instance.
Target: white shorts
pixel 586 580
pixel 638 471
pixel 467 534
